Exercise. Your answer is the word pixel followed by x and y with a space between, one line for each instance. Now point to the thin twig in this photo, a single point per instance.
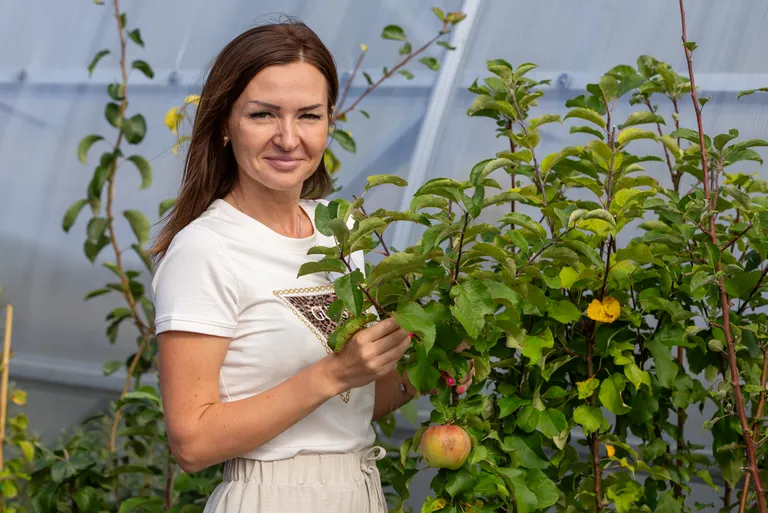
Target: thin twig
pixel 4 385
pixel 753 291
pixel 393 70
pixel 735 239
pixel 461 248
pixel 351 79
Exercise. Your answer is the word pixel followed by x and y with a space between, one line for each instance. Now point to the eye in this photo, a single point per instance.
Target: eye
pixel 259 115
pixel 313 117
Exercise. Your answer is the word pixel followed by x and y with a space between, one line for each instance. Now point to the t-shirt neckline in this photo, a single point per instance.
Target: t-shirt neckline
pixel 265 236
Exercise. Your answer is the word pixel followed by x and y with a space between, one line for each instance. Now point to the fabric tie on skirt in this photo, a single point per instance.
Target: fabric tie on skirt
pixel 372 475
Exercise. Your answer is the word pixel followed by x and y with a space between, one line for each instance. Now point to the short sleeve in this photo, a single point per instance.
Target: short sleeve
pixel 194 287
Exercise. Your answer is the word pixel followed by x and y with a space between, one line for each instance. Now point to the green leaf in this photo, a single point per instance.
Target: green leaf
pixel 634 133
pixel 636 375
pixel 610 87
pixel 589 418
pixel 151 504
pixel 422 370
pixel 599 213
pixel 668 503
pixel 327 264
pixel 407 74
pixel 740 197
pixel 92 249
pixel 348 290
pixel 587 114
pixel 568 276
pixel 741 155
pixel 472 302
pixel 723 139
pixel 642 118
pixel 525 500
pixel 486 167
pixel 528 418
pixel 439 13
pixel 552 159
pixel 460 482
pixel 140 226
pixel 563 311
pixel 446 45
pixel 690 135
pixel 364 228
pixel 430 62
pixel 96 228
pixel 345 140
pixel 586 130
pixel 533 347
pixel 135 36
pixel 561 255
pixel 742 283
pixel 144 168
pixel 690 45
pixel 751 91
pixel 143 67
pixel 70 216
pixel 542 120
pixel 587 388
pixel 96 60
pixel 525 221
pixel 85 145
pixel 27 449
pixel 552 422
pixel 413 319
pixel 111 366
pixel 396 264
pixel 393 32
pixel 528 456
pixel 112 113
pixel 510 404
pixel 610 394
pixel 546 492
pixel 166 205
pixel 135 129
pixel 376 180
pixel 672 146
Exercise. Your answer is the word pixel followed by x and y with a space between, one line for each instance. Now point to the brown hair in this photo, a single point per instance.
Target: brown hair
pixel 210 169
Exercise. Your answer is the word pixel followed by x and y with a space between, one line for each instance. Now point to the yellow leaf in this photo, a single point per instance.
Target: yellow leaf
pixel 364 47
pixel 611 450
pixel 606 311
pixel 193 99
pixel 19 397
pixel 172 119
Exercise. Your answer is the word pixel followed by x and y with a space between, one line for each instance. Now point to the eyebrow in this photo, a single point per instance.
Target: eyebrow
pixel 277 107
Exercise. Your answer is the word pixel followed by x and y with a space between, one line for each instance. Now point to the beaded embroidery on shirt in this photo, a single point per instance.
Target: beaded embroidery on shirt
pixel 310 305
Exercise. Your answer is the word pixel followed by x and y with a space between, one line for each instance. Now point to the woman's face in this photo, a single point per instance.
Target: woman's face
pixel 278 127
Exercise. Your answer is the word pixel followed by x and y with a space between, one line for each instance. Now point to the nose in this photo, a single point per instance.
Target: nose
pixel 287 136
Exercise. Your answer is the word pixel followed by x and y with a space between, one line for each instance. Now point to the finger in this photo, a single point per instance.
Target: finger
pixel 394 354
pixel 461 347
pixel 381 329
pixel 391 341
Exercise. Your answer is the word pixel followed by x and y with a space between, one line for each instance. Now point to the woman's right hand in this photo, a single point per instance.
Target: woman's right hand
pixel 370 354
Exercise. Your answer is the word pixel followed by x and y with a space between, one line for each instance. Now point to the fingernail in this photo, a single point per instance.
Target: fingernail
pixel 450 381
pixel 410 335
pixel 460 390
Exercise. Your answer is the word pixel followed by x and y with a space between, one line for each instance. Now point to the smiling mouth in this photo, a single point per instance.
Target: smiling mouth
pixel 283 163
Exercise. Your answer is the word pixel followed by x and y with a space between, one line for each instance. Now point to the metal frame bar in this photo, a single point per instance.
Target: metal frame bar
pixel 445 85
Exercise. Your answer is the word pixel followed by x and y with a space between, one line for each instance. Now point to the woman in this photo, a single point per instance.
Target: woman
pixel 245 374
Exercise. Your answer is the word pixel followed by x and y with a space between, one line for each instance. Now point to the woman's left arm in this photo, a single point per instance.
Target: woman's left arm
pixel 389 396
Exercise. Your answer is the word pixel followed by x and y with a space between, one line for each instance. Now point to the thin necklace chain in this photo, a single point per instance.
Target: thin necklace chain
pixel 243 211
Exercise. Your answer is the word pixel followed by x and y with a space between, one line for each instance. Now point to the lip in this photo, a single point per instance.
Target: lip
pixel 283 164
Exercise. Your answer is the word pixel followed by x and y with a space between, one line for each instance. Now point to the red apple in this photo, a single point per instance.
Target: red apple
pixel 445 446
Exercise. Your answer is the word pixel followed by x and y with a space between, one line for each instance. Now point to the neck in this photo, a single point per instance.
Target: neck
pixel 278 210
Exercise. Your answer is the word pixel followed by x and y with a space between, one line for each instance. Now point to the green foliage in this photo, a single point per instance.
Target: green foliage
pixel 576 330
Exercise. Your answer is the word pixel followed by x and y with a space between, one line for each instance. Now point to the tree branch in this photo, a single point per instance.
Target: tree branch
pixel 455 279
pixel 724 300
pixel 392 71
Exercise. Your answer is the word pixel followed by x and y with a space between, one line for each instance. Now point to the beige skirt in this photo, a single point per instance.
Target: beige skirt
pixel 307 483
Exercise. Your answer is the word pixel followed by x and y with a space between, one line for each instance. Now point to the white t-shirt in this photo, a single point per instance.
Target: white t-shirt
pixel 227 274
